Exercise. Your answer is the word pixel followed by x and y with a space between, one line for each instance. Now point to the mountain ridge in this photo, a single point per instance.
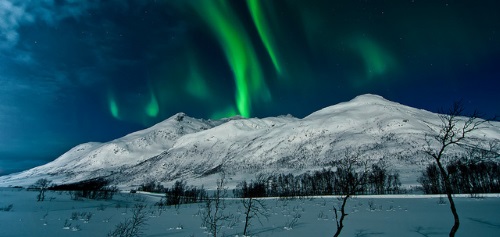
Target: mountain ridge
pixel 195 150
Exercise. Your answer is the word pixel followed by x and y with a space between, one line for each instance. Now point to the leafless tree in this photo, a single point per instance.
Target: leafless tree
pixel 454 131
pixel 132 227
pixel 489 152
pixel 351 177
pixel 213 216
pixel 253 208
pixel 42 185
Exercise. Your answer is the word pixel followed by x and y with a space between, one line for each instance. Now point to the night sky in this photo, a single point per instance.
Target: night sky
pixel 77 71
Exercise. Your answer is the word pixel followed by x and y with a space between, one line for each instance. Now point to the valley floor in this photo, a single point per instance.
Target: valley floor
pixel 399 215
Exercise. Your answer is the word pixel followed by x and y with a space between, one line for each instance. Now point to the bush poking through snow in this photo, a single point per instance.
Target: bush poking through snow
pixel 76 228
pixel 67 225
pixel 371 205
pixel 322 215
pixel 132 227
pixel 101 207
pixel 7 208
pixel 292 222
pixel 87 217
pixel 441 201
pixel 74 216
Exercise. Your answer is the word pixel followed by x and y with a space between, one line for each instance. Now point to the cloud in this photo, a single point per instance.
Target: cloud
pixel 16 13
pixel 60 51
pixel 12 15
pixel 41 68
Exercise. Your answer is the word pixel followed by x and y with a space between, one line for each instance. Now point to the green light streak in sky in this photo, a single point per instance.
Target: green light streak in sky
pixel 377 60
pixel 152 108
pixel 260 22
pixel 239 52
pixel 113 106
pixel 196 85
pixel 226 113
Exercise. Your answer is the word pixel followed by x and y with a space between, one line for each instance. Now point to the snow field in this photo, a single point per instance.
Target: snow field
pixel 402 215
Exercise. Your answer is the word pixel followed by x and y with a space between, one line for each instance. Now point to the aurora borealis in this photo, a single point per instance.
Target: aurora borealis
pixel 79 71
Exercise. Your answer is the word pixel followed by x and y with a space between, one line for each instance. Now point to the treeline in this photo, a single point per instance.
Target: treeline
pixel 179 193
pixel 465 177
pixel 97 188
pixel 322 182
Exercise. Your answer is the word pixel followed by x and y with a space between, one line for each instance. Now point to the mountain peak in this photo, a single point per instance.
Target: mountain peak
pixel 370 98
pixel 178 117
pixel 361 103
pixel 182 147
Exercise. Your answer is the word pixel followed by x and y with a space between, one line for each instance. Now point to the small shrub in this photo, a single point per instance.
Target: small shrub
pixel 179 227
pixel 74 216
pixel 322 215
pixel 67 225
pixel 7 208
pixel 76 228
pixel 441 201
pixel 292 222
pixel 371 205
pixel 87 217
pixel 101 207
pixel 131 227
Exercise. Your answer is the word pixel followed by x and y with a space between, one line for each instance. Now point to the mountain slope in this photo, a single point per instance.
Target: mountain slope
pixel 196 150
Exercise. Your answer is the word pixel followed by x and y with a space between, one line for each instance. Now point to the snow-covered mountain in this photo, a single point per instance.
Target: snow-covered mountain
pixel 196 150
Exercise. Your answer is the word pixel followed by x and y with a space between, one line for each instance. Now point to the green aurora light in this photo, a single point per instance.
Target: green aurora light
pixel 255 43
pixel 239 52
pixel 132 64
pixel 196 85
pixel 260 21
pixel 152 108
pixel 113 106
pixel 226 113
pixel 378 61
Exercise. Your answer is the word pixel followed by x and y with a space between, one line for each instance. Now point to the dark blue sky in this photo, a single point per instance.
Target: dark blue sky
pixel 80 71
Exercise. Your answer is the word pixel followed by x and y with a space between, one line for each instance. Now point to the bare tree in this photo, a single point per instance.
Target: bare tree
pixel 131 227
pixel 213 216
pixel 42 185
pixel 454 131
pixel 254 208
pixel 350 178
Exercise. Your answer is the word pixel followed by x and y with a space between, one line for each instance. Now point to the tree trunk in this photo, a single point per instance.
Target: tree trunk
pixel 247 216
pixel 340 223
pixel 449 192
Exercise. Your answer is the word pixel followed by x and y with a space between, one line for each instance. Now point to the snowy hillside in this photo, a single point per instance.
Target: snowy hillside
pixel 196 150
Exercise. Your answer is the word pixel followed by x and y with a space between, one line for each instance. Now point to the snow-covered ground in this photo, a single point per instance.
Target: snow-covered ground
pixel 401 215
